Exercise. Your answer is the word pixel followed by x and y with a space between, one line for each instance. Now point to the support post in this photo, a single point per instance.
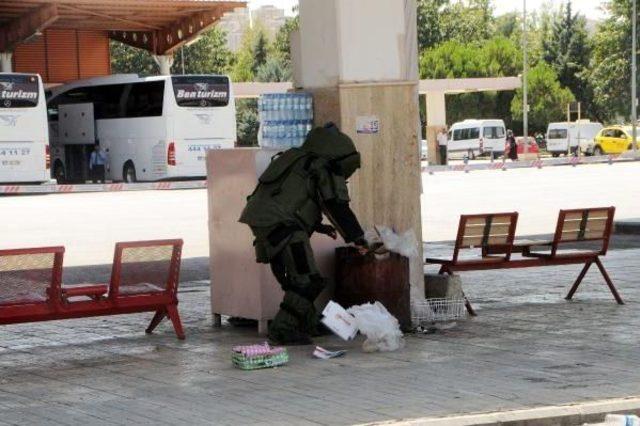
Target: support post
pixel 364 77
pixel 5 61
pixel 436 119
pixel 164 63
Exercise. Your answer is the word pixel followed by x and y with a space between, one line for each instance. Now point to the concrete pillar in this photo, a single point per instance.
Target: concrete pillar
pixel 164 62
pixel 359 58
pixel 436 119
pixel 5 61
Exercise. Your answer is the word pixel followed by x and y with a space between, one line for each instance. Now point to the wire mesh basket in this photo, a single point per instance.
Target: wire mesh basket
pixel 428 311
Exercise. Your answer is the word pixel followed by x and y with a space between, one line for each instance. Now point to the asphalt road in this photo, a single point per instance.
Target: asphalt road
pixel 89 224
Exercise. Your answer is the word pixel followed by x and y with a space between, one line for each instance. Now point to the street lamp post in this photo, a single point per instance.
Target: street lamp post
pixel 634 94
pixel 525 103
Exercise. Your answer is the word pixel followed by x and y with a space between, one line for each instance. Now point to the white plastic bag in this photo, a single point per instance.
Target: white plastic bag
pixel 381 329
pixel 404 244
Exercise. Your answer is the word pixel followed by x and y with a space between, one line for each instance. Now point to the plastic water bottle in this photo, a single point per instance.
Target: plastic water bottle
pixel 622 420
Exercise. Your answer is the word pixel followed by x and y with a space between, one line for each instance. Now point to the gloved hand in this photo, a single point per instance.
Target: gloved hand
pixel 327 230
pixel 362 245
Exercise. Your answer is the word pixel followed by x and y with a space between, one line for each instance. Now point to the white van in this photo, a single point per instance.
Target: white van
pixel 151 128
pixel 24 139
pixel 475 137
pixel 578 134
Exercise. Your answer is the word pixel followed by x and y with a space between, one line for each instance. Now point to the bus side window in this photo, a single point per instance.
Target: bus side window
pixel 145 99
pixel 107 101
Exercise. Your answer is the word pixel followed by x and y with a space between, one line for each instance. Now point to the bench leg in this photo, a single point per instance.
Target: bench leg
pixel 217 320
pixel 609 282
pixel 470 309
pixel 157 319
pixel 578 281
pixel 467 304
pixel 172 312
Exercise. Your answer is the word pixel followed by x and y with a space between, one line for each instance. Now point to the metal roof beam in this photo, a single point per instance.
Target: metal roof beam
pixel 166 40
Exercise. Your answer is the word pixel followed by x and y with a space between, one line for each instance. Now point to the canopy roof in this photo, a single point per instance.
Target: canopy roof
pixel 159 26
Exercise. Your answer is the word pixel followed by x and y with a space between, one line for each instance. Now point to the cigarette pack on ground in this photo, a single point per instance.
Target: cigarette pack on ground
pixel 254 357
pixel 342 323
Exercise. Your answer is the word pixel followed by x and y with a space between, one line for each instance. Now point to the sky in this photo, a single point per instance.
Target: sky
pixel 590 8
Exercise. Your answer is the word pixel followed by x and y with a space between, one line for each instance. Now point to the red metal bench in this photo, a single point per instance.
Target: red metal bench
pixel 144 278
pixel 493 235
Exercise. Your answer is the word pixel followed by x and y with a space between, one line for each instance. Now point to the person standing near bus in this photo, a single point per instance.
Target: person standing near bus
pixel 513 146
pixel 97 162
pixel 442 145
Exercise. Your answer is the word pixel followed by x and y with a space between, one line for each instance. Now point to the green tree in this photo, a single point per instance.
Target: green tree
pixel 610 69
pixel 282 43
pixel 247 122
pixel 567 50
pixel 429 31
pixel 496 57
pixel 253 53
pixel 274 70
pixel 208 55
pixel 467 21
pixel 547 98
pixel 260 50
pixel 126 59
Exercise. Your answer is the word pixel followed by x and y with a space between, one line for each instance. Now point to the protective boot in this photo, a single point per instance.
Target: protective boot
pixel 287 328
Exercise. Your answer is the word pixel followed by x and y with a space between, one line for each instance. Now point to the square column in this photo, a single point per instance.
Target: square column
pixel 359 58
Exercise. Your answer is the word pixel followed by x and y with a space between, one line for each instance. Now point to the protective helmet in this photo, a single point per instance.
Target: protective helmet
pixel 330 143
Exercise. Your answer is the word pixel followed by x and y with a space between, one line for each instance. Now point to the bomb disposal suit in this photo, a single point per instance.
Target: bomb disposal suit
pixel 286 209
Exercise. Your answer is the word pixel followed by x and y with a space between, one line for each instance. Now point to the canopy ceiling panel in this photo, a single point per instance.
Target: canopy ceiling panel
pixel 159 26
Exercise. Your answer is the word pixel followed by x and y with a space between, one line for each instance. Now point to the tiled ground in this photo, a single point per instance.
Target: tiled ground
pixel 528 347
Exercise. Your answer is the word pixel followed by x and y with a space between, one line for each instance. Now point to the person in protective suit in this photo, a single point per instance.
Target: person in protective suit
pixel 286 208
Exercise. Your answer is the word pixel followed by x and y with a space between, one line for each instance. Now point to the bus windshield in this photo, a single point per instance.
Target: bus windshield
pixel 201 91
pixel 18 91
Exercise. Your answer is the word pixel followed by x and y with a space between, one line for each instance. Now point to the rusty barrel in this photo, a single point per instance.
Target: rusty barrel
pixel 370 278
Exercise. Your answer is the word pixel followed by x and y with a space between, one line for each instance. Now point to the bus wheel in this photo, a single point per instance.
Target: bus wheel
pixel 555 154
pixel 129 173
pixel 58 173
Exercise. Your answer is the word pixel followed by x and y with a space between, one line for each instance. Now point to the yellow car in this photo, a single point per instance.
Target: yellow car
pixel 613 140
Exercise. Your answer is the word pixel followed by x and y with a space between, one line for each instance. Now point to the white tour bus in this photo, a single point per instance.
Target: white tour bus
pixel 579 134
pixel 475 137
pixel 24 139
pixel 151 128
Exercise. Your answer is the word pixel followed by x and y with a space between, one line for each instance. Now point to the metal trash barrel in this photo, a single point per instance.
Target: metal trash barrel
pixel 369 278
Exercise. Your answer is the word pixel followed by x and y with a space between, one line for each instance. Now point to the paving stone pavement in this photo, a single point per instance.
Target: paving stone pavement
pixel 527 348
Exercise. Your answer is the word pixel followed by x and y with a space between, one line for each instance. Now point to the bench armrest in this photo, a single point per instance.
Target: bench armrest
pixel 88 290
pixel 437 261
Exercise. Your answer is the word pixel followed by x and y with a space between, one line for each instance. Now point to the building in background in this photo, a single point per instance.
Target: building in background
pixel 270 17
pixel 236 22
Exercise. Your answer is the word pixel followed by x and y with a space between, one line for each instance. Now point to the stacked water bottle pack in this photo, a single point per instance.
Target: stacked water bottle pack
pixel 285 119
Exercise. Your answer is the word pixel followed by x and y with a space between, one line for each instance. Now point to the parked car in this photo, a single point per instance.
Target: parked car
pixel 531 149
pixel 476 137
pixel 613 140
pixel 578 136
